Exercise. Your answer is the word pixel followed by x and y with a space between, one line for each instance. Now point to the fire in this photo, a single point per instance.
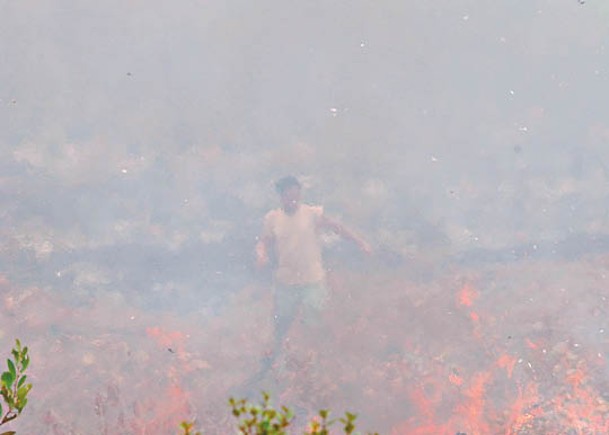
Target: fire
pixel 153 416
pixel 471 413
pixel 176 406
pixel 173 341
pixel 523 410
pixel 455 379
pixel 507 362
pixel 504 397
pixel 580 406
pixel 531 344
pixel 467 295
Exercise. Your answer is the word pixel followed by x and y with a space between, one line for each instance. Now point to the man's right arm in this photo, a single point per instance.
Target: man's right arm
pixel 262 251
pixel 264 243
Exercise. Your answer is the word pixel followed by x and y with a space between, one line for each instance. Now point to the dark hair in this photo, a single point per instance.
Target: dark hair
pixel 285 183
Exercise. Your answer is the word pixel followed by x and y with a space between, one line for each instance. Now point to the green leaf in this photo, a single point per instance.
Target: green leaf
pixel 22 392
pixel 11 368
pixel 10 432
pixel 10 400
pixel 7 379
pixel 21 381
pixel 21 405
pixel 1 413
pixel 25 362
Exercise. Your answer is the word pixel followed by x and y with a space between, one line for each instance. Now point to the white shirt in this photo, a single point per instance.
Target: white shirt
pixel 297 244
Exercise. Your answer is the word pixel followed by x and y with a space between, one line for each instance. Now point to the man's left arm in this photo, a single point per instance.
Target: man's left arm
pixel 328 223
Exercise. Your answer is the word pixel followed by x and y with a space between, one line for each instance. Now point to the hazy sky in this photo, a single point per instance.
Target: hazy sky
pixel 420 97
pixel 269 72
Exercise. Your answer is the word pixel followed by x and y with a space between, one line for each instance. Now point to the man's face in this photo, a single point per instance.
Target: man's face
pixel 290 198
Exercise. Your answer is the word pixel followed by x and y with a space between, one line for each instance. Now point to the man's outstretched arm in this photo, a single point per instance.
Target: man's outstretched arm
pixel 337 227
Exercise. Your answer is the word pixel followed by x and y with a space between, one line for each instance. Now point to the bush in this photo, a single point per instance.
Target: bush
pixel 13 387
pixel 264 419
pixel 261 419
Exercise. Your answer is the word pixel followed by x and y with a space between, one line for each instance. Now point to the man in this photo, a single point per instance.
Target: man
pixel 291 236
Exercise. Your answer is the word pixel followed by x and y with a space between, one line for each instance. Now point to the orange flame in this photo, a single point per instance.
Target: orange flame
pixel 472 410
pixel 455 379
pixel 173 341
pixel 507 362
pixel 522 411
pixel 467 295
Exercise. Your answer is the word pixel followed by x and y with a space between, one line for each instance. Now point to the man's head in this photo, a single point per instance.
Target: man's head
pixel 289 189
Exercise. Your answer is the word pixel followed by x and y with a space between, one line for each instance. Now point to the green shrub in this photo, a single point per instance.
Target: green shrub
pixel 264 419
pixel 13 386
pixel 188 428
pixel 261 419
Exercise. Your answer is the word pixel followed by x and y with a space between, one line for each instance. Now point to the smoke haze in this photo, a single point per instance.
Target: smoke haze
pixel 140 141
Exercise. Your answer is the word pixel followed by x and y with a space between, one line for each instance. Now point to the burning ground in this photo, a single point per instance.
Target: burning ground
pixel 510 348
pixel 467 140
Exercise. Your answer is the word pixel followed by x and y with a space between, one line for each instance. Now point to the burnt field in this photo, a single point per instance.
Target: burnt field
pixel 414 347
pixel 467 142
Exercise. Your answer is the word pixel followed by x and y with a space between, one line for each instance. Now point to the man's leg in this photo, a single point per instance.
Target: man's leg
pixel 315 301
pixel 315 336
pixel 287 301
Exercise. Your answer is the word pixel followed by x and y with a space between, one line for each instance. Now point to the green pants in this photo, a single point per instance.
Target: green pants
pixel 290 301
